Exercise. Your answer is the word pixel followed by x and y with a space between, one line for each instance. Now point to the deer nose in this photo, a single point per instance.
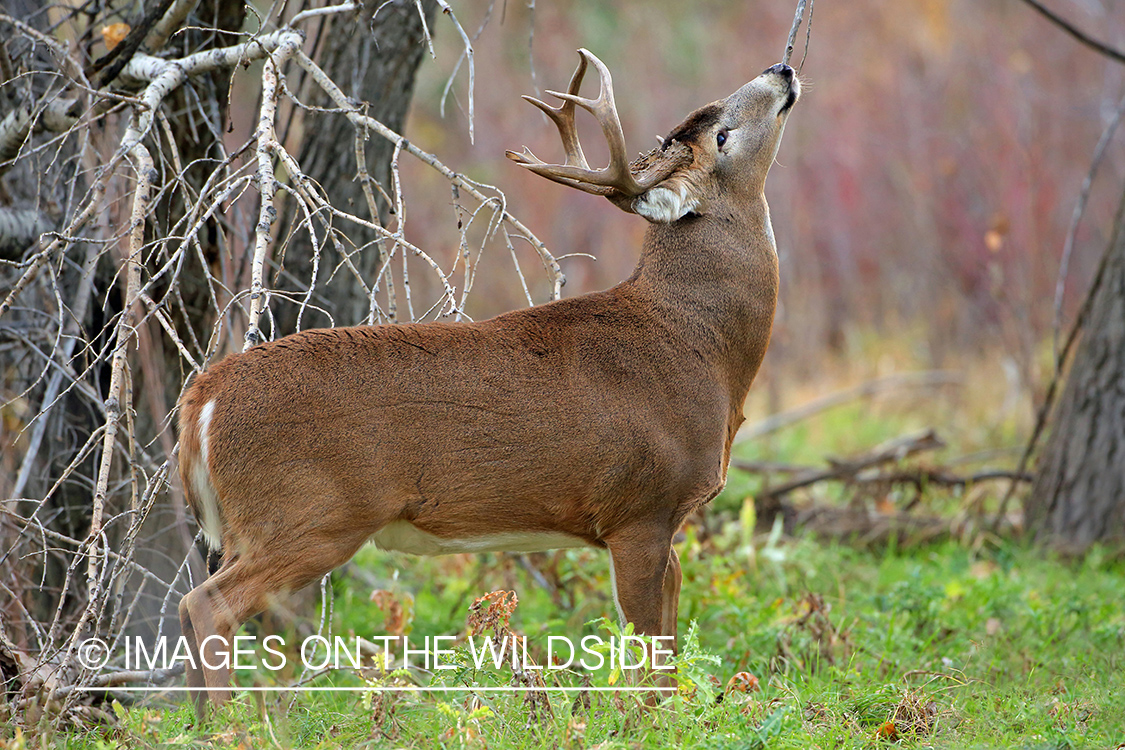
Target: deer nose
pixel 780 69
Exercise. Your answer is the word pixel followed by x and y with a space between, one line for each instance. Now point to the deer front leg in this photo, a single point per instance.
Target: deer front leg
pixel 670 600
pixel 646 586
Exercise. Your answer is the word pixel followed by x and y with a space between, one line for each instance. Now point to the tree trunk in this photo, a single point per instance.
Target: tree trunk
pixel 1079 493
pixel 376 66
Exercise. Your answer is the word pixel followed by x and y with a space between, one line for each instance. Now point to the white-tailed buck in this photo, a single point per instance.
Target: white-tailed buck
pixel 603 420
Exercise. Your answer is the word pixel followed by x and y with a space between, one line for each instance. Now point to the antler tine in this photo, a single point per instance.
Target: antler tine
pixel 604 108
pixel 576 172
pixel 563 117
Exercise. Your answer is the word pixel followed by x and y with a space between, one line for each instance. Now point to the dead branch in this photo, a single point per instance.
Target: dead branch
pixel 925 379
pixel 839 469
pixel 1077 33
pixel 468 54
pixel 920 476
pixel 461 181
pixel 125 677
pixel 267 146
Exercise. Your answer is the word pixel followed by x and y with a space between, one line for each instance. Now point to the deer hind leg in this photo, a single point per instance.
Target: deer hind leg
pixel 211 613
pixel 646 585
pixel 194 672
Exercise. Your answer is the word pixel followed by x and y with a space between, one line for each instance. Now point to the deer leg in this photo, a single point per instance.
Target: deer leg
pixel 646 584
pixel 193 672
pixel 210 615
pixel 670 600
pixel 640 562
pixel 212 612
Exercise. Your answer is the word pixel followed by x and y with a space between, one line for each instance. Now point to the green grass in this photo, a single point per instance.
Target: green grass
pixel 997 648
pixel 952 645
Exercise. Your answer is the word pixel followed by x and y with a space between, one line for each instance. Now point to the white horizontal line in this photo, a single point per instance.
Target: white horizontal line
pixel 416 689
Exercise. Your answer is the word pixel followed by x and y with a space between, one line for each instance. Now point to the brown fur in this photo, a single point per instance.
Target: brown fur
pixel 608 417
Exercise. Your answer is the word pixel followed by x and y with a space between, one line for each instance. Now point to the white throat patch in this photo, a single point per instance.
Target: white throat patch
pixel 664 205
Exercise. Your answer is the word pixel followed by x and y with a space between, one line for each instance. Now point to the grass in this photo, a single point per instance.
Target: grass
pixel 951 645
pixel 929 647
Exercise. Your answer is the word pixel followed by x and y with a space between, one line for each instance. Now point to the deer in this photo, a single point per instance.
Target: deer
pixel 602 420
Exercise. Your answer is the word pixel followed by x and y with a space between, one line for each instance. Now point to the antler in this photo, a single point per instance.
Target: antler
pixel 617 179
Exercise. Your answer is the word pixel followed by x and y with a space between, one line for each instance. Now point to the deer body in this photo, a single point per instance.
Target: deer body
pixel 601 420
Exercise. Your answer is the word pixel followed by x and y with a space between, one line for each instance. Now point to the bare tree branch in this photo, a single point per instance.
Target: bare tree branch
pixel 1077 33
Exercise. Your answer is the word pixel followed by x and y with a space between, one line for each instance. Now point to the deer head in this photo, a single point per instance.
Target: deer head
pixel 719 155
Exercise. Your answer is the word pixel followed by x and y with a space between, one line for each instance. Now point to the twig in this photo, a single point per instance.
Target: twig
pixel 365 181
pixel 425 29
pixel 1075 32
pixel 267 146
pixel 462 182
pixel 892 450
pixel 400 228
pixel 116 679
pixel 797 17
pixel 468 52
pixel 924 379
pixel 808 37
pixel 304 15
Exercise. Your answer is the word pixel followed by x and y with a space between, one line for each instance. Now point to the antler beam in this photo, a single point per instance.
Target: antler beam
pixel 619 177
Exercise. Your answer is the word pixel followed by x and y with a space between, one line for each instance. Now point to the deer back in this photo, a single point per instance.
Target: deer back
pixel 548 426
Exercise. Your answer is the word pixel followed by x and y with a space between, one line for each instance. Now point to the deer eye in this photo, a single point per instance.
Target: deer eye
pixel 721 138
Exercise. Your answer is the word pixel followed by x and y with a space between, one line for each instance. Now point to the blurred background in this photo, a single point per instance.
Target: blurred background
pixel 920 199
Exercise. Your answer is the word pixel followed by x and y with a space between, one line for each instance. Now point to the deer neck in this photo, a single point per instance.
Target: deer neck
pixel 713 280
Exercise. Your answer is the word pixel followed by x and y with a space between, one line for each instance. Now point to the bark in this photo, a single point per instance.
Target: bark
pixel 376 66
pixel 19 229
pixel 56 116
pixel 1078 497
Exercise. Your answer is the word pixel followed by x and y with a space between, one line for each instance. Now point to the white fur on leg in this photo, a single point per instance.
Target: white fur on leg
pixel 201 478
pixel 616 599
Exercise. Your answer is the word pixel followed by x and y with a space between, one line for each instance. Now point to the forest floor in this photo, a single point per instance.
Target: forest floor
pixel 817 645
pixel 787 640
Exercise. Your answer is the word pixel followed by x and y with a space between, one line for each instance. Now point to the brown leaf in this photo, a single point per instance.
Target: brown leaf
pixel 114 34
